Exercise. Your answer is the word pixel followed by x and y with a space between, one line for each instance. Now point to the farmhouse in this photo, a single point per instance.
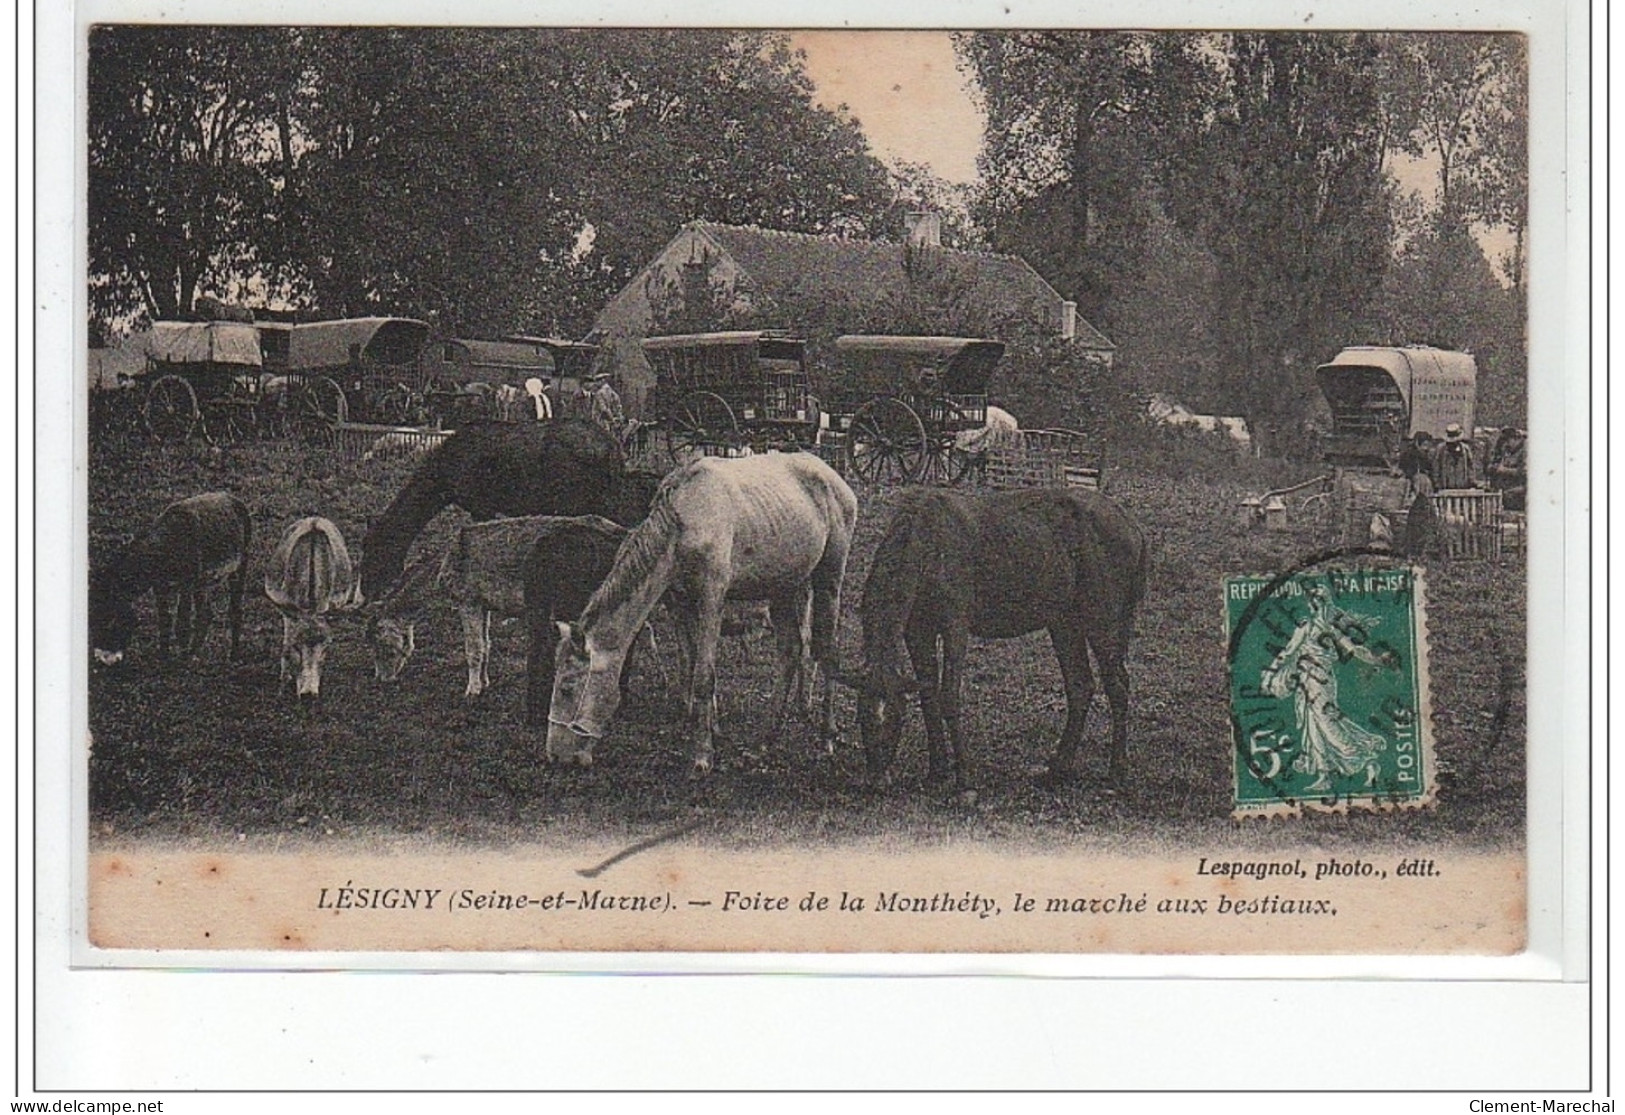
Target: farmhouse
pixel 750 275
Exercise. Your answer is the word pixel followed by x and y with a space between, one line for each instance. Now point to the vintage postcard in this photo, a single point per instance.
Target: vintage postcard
pixel 563 490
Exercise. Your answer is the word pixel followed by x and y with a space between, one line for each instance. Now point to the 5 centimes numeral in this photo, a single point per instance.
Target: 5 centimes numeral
pixel 1329 691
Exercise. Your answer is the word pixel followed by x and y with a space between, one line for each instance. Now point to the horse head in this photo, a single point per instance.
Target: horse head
pixel 881 694
pixel 586 693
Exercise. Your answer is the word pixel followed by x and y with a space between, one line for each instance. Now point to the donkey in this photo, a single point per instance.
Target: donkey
pixel 193 545
pixel 309 576
pixel 483 570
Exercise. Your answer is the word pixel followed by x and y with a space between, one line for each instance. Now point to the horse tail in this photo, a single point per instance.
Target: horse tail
pixel 891 589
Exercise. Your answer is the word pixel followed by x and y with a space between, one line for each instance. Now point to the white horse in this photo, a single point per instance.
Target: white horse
pixel 776 527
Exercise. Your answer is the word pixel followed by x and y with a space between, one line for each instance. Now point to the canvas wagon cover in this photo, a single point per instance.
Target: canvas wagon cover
pixel 963 365
pixel 1437 386
pixel 718 361
pixel 570 358
pixel 381 340
pixel 496 361
pixel 205 342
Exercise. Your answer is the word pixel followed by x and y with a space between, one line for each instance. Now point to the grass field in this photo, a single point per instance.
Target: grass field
pixel 210 749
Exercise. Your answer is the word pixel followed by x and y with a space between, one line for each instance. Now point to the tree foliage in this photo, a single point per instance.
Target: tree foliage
pixel 488 180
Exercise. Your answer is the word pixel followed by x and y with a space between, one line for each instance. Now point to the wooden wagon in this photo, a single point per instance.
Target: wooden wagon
pixel 898 403
pixel 725 393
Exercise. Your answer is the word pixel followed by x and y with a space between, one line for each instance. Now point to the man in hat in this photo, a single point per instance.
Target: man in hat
pixel 1453 465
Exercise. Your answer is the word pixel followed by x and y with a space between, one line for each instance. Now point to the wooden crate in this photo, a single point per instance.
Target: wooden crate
pixel 1046 459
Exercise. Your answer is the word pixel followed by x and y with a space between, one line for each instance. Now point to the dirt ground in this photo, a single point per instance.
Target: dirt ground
pixel 210 749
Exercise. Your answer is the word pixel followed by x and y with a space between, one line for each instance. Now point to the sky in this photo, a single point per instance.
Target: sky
pixel 906 91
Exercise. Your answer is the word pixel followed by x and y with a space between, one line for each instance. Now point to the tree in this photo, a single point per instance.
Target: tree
pixel 489 180
pixel 177 151
pixel 1063 155
pixel 715 125
pixel 1281 181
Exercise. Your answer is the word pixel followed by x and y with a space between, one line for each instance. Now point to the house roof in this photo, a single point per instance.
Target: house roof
pixel 778 262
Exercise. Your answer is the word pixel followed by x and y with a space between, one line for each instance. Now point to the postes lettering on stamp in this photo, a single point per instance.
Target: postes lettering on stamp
pixel 1329 691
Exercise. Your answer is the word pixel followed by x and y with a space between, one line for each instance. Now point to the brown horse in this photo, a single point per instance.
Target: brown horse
pixel 776 527
pixel 997 566
pixel 567 467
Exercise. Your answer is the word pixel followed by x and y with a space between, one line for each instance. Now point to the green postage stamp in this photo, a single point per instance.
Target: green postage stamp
pixel 1329 691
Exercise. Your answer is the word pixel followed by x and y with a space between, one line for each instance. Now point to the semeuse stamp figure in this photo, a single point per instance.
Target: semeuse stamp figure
pixel 1329 702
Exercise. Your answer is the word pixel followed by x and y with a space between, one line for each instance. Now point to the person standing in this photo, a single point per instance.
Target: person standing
pixel 605 405
pixel 1453 465
pixel 1508 470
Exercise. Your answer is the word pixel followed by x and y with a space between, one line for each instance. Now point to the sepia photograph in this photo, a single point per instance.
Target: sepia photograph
pixel 704 490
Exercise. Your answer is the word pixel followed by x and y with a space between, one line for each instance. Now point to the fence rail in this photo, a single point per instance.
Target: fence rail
pixel 356 441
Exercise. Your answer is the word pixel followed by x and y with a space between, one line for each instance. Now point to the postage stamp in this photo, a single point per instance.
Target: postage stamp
pixel 1329 691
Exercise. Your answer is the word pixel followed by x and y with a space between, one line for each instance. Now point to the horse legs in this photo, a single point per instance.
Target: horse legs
pixel 539 655
pixel 955 641
pixel 185 602
pixel 700 707
pixel 825 616
pixel 922 650
pixel 287 645
pixel 202 619
pixel 1111 652
pixel 790 628
pixel 476 646
pixel 1072 651
pixel 234 607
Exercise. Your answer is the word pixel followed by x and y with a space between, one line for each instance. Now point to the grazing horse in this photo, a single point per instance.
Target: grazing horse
pixel 308 576
pixel 483 570
pixel 566 467
pixel 997 566
pixel 193 545
pixel 776 527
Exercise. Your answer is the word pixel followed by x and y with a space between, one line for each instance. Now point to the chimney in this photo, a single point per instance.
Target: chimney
pixel 924 229
pixel 1069 321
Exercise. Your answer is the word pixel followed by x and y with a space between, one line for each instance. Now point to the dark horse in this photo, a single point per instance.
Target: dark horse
pixel 568 561
pixel 997 566
pixel 193 545
pixel 564 467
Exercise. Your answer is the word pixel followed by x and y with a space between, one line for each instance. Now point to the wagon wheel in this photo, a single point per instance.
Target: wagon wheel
pixel 396 405
pixel 701 419
pixel 233 416
pixel 887 443
pixel 947 466
pixel 315 407
pixel 170 412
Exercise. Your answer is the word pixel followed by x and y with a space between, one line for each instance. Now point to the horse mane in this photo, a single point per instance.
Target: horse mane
pixel 636 558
